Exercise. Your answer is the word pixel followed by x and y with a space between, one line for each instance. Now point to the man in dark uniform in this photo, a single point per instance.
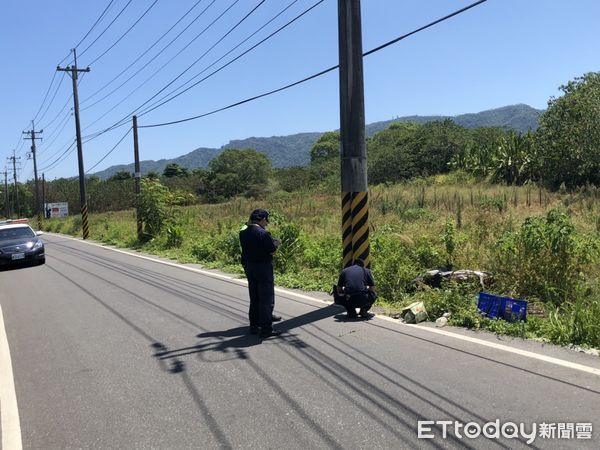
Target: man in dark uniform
pixel 258 247
pixel 357 285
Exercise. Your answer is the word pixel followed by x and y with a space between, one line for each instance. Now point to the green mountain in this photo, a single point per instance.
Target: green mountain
pixel 294 150
pixel 516 117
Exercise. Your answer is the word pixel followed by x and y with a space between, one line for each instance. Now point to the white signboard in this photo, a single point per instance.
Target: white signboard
pixel 56 209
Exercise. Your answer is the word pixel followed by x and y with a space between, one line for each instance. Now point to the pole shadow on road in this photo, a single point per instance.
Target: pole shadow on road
pixel 235 341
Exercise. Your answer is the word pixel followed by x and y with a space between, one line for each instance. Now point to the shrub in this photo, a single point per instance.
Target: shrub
pixel 544 259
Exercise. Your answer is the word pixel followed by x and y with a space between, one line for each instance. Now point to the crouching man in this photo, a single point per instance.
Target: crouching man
pixel 356 290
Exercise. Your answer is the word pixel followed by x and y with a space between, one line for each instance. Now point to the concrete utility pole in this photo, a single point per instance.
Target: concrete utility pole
pixel 73 70
pixel 36 204
pixel 16 195
pixel 6 206
pixel 137 175
pixel 353 154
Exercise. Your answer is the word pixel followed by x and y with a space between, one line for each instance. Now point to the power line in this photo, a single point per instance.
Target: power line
pixel 143 54
pixel 152 108
pixel 61 158
pixel 106 29
pixel 316 75
pixel 60 111
pixel 126 32
pixel 53 97
pixel 226 54
pixel 93 26
pixel 52 137
pixel 45 96
pixel 110 151
pixel 126 118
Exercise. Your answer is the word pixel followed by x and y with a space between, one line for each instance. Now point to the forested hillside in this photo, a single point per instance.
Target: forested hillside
pixel 294 150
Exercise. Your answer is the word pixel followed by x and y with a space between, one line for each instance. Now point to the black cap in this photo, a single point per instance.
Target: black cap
pixel 259 214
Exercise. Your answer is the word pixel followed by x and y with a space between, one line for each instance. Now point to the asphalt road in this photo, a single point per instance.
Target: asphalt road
pixel 113 351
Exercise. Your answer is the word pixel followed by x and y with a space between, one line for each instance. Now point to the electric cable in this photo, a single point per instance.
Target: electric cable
pixel 142 55
pixel 125 34
pixel 163 66
pixel 152 108
pixel 106 29
pixel 110 151
pixel 45 96
pixel 323 72
pixel 225 55
pixel 51 137
pixel 53 96
pixel 60 159
pixel 95 23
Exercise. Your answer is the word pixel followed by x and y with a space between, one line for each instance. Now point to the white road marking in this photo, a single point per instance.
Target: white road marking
pixel 9 410
pixel 506 348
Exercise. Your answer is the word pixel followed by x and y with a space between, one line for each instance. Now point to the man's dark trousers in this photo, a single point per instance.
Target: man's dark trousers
pixel 261 287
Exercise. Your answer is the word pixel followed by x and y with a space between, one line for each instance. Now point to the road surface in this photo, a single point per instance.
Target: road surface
pixel 110 350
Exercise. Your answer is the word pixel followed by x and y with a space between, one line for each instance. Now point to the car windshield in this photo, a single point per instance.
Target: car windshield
pixel 16 233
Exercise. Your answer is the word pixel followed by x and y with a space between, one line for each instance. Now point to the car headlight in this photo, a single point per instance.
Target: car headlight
pixel 38 244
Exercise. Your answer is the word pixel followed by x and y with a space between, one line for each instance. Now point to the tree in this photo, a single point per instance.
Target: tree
pixel 174 170
pixel 121 175
pixel 436 143
pixel 326 147
pixel 390 157
pixel 236 172
pixel 569 134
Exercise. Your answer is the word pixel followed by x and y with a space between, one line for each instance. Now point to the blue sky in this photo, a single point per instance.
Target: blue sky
pixel 502 52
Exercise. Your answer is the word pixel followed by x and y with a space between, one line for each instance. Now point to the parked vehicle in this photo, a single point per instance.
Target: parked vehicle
pixel 19 244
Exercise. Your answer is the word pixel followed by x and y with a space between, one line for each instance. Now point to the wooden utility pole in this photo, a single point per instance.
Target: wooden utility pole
pixel 44 195
pixel 137 175
pixel 16 194
pixel 353 154
pixel 73 70
pixel 6 206
pixel 37 208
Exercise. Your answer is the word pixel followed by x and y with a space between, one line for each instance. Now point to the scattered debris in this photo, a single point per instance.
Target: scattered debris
pixel 494 306
pixel 434 278
pixel 443 320
pixel 414 313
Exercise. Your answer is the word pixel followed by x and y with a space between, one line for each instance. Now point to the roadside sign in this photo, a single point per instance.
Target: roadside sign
pixel 52 210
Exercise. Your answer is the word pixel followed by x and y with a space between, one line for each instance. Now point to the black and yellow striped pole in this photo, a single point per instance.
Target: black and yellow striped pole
pixel 85 226
pixel 353 153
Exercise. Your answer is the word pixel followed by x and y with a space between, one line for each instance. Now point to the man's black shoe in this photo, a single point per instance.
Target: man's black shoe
pixel 365 314
pixel 253 330
pixel 275 318
pixel 270 333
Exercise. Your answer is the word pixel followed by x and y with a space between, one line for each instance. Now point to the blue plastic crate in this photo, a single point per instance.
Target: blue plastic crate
pixel 495 306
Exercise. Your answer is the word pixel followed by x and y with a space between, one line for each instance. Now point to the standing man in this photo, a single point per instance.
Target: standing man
pixel 258 247
pixel 356 283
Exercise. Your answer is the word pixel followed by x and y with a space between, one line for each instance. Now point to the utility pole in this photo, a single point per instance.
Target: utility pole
pixel 137 175
pixel 36 204
pixel 16 197
pixel 44 195
pixel 6 207
pixel 73 70
pixel 353 153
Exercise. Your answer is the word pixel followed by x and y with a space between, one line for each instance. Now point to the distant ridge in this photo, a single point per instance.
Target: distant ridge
pixel 294 150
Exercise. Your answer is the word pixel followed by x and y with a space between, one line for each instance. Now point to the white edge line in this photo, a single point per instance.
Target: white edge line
pixel 525 353
pixel 9 410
